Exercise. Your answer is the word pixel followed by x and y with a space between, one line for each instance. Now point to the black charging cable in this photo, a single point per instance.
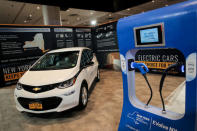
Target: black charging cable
pixel 151 91
pixel 173 66
pixel 143 69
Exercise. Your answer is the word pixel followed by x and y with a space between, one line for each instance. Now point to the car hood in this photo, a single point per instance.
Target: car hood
pixel 38 78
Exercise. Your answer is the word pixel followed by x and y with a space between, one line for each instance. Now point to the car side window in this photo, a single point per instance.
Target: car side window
pixel 90 55
pixel 87 56
pixel 84 58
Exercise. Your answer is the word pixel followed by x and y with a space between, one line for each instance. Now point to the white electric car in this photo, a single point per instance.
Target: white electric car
pixel 58 81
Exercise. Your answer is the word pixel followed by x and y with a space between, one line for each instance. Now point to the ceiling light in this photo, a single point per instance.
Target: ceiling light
pixel 38 7
pixel 30 15
pixel 153 1
pixel 93 22
pixel 25 21
pixel 78 18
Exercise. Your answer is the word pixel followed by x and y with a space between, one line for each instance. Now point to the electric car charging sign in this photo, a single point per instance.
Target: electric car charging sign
pixel 160 59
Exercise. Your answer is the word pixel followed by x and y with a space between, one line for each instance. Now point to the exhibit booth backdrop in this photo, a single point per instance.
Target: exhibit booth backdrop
pixel 21 46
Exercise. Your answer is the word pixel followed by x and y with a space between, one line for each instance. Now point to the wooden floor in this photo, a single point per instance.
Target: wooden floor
pixel 102 113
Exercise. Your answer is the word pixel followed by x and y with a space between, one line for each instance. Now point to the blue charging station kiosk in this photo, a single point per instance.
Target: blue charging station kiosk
pixel 172 27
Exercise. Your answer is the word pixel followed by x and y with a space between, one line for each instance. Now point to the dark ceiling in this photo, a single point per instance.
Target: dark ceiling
pixel 98 5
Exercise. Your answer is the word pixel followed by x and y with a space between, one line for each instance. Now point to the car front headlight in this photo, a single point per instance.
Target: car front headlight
pixel 67 83
pixel 19 86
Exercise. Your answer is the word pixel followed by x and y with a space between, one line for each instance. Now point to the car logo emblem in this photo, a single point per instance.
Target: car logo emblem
pixel 36 89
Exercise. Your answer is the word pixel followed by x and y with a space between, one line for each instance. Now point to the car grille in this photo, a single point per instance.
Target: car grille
pixel 47 103
pixel 39 89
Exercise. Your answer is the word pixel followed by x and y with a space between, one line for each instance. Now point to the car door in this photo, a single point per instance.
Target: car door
pixel 93 67
pixel 85 67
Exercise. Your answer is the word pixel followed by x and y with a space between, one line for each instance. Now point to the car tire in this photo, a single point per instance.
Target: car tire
pixel 83 97
pixel 98 76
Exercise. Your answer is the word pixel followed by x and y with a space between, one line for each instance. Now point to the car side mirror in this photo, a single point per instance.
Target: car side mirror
pixel 90 63
pixel 87 64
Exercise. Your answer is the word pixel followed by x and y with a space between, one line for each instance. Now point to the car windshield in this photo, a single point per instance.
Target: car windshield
pixel 55 61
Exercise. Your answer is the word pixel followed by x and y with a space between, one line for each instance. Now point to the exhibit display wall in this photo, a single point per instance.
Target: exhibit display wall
pixel 21 46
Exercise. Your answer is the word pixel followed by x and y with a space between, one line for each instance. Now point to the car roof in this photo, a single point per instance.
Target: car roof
pixel 68 49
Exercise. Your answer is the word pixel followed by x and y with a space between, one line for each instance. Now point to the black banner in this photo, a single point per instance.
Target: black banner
pixel 64 37
pixel 106 38
pixel 84 37
pixel 20 46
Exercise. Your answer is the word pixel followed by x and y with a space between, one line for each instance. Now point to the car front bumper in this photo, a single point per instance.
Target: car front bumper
pixel 56 100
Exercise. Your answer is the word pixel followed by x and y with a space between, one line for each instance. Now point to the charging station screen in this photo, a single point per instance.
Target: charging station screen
pixel 149 35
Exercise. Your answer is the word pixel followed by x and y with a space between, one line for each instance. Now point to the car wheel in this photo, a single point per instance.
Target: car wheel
pixel 98 75
pixel 83 98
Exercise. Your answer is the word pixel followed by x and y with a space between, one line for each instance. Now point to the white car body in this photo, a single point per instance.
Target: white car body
pixel 67 97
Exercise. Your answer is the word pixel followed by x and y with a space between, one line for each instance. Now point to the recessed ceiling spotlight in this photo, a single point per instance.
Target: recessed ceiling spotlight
pixel 38 7
pixel 30 15
pixel 93 22
pixel 153 1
